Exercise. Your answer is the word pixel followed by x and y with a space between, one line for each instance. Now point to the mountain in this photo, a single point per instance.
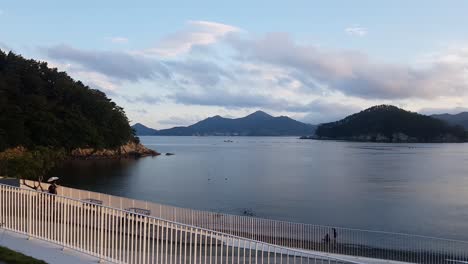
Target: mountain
pixel 460 119
pixel 143 130
pixel 255 124
pixel 386 123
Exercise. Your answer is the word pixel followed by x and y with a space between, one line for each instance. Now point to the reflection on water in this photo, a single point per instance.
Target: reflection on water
pixel 412 188
pixel 98 175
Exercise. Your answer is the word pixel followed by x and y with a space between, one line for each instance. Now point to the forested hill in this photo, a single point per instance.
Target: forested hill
pixel 386 123
pixel 456 119
pixel 40 106
pixel 255 124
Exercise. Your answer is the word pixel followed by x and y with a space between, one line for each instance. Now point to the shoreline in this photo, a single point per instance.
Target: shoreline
pixel 129 150
pixel 382 141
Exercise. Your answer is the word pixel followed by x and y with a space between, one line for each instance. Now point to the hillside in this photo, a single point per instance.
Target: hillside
pixel 142 130
pixel 46 117
pixel 385 123
pixel 255 124
pixel 43 108
pixel 460 119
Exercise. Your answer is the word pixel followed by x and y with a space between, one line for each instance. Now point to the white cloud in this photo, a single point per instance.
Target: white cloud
pixel 197 33
pixel 354 73
pixel 119 40
pixel 322 111
pixel 97 80
pixel 142 99
pixel 114 64
pixel 91 78
pixel 356 31
pixel 272 72
pixel 275 63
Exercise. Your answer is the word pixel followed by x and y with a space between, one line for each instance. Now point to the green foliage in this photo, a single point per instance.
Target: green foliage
pixel 387 120
pixel 40 106
pixel 22 164
pixel 12 257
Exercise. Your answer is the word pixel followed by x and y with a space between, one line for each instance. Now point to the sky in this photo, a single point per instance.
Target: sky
pixel 173 63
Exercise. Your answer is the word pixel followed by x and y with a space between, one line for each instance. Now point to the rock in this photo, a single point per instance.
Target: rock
pixel 169 154
pixel 129 150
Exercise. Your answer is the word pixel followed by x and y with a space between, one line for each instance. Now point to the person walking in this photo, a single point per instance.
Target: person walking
pixel 53 185
pixel 52 190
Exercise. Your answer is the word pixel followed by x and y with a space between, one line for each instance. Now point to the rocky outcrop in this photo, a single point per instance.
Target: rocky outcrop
pixel 129 150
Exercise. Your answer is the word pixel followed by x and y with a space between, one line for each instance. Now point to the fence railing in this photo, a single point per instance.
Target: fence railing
pixel 345 241
pixel 121 236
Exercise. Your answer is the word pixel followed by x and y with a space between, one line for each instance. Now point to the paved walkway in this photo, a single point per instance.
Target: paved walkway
pixel 53 254
pixel 39 249
pixel 363 260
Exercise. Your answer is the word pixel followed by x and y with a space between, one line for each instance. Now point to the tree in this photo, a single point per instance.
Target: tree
pixel 45 114
pixel 40 106
pixel 31 165
pixel 389 120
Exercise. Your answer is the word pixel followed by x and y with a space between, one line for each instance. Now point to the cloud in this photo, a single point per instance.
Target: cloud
pixel 314 112
pixel 230 99
pixel 119 40
pixel 118 65
pixel 95 80
pixel 321 111
pixel 354 73
pixel 198 72
pixel 271 72
pixel 141 111
pixel 356 31
pixel 315 109
pixel 142 98
pixel 197 33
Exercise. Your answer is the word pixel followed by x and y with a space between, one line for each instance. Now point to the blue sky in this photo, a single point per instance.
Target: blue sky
pixel 176 62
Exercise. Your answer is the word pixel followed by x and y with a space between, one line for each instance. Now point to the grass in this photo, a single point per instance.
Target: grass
pixel 12 257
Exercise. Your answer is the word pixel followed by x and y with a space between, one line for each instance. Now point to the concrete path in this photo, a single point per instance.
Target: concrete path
pixel 53 254
pixel 363 260
pixel 39 249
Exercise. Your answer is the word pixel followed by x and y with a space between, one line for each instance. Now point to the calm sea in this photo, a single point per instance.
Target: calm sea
pixel 410 188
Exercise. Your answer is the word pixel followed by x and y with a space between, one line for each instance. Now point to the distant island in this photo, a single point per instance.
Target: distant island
pixel 255 124
pixel 460 119
pixel 386 123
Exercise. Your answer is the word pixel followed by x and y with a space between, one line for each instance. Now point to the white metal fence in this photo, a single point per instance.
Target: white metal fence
pixel 121 236
pixel 354 242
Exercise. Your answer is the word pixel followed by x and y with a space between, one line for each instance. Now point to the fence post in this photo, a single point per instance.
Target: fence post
pixel 101 233
pixel 29 215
